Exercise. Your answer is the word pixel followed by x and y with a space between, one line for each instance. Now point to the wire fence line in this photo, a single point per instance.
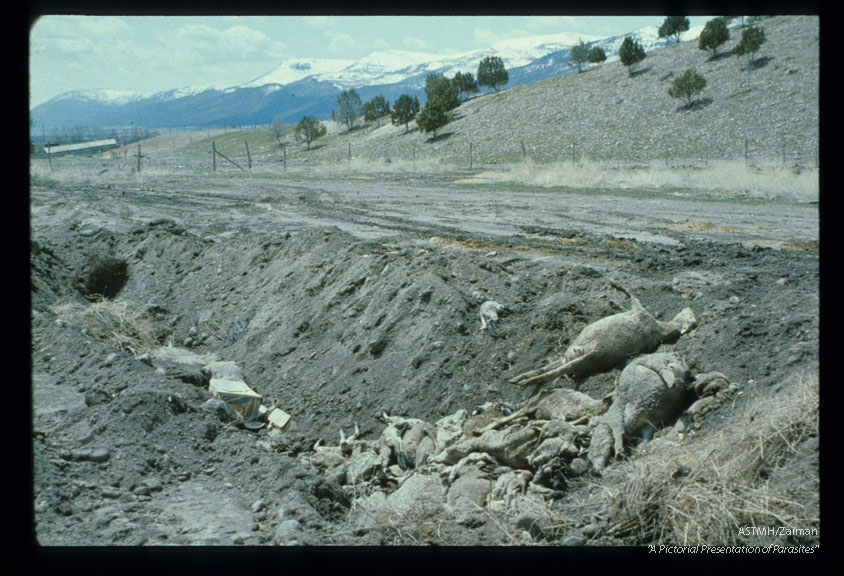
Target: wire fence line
pixel 227 155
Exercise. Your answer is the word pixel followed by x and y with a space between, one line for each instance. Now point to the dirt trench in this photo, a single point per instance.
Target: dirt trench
pixel 336 329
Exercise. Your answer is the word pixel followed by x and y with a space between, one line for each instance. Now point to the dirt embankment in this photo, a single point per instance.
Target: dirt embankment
pixel 337 329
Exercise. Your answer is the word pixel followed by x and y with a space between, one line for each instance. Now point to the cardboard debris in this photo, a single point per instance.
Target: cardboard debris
pixel 277 417
pixel 238 395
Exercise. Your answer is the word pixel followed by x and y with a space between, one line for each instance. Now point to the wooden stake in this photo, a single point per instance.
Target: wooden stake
pixel 248 155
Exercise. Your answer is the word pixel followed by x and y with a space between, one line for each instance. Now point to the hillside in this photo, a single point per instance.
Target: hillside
pixel 610 114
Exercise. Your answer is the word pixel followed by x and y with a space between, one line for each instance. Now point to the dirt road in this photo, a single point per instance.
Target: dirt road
pixel 427 205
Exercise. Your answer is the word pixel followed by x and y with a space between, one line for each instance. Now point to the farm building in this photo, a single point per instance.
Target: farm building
pixel 91 147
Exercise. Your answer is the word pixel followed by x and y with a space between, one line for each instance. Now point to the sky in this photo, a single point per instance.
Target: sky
pixel 156 53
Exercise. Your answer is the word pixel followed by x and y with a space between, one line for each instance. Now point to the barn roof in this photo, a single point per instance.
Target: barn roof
pixel 80 146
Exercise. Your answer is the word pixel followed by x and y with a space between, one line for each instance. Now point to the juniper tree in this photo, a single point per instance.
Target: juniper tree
pixel 309 130
pixel 597 55
pixel 491 72
pixel 438 87
pixel 404 110
pixel 465 83
pixel 433 116
pixel 713 35
pixel 674 26
pixel 751 39
pixel 375 109
pixel 349 107
pixel 631 53
pixel 687 85
pixel 579 54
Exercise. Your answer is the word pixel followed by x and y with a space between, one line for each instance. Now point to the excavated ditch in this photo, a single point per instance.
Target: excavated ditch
pixel 335 330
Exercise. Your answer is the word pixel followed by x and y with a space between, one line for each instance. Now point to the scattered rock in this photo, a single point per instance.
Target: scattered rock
pixel 153 484
pixel 289 533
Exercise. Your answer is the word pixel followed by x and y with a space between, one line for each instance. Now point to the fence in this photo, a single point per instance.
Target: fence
pixel 234 154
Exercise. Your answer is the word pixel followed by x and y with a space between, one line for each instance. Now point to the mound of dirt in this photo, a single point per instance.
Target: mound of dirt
pixel 337 330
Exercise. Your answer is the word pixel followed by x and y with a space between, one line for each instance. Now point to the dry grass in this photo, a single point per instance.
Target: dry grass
pixel 732 178
pixel 369 166
pixel 697 226
pixel 703 492
pixel 119 323
pixel 478 244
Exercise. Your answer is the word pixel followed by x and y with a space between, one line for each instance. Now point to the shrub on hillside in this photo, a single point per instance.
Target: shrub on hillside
pixel 674 26
pixel 579 54
pixel 375 109
pixel 438 87
pixel 631 53
pixel 713 35
pixel 349 107
pixel 596 55
pixel 491 72
pixel 404 110
pixel 751 39
pixel 687 85
pixel 465 83
pixel 309 129
pixel 433 116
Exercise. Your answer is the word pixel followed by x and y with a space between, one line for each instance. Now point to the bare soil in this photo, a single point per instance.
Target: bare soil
pixel 342 298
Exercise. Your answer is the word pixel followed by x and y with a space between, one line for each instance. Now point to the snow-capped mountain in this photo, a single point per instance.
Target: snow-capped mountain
pixel 311 85
pixel 392 66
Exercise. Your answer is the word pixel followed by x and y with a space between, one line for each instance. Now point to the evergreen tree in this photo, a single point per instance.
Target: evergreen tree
pixel 405 110
pixel 687 85
pixel 438 87
pixel 349 107
pixel 751 39
pixel 674 26
pixel 433 116
pixel 714 34
pixel 309 130
pixel 465 83
pixel 631 53
pixel 597 55
pixel 491 72
pixel 579 54
pixel 375 109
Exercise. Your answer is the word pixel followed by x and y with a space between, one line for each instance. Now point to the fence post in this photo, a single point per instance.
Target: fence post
pixel 524 153
pixel 783 154
pixel 248 155
pixel 139 157
pixel 746 155
pixel 214 155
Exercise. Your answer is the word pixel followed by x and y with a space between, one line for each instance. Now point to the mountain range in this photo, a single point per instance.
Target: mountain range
pixel 311 86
